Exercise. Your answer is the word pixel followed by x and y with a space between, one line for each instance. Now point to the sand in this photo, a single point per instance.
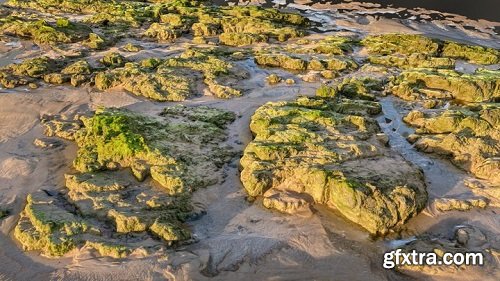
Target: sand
pixel 236 240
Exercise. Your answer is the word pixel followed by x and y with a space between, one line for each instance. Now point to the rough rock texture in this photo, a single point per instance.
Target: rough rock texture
pixel 420 51
pixel 44 32
pixel 481 86
pixel 388 44
pixel 174 79
pixel 116 150
pixel 470 138
pixel 326 150
pixel 291 62
pixel 448 204
pixel 474 54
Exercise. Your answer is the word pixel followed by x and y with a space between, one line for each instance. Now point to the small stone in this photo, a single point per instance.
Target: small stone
pixel 290 81
pixel 383 138
pixel 311 76
pixel 273 79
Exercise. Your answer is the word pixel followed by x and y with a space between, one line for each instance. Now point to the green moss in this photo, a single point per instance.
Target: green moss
pixel 181 150
pixel 474 54
pixel 388 44
pixel 333 45
pixel 470 138
pixel 355 88
pixel 113 59
pixel 169 231
pixel 281 60
pixel 478 87
pixel 47 227
pixel 241 39
pixel 162 84
pixel 110 250
pixel 14 75
pixel 162 32
pixel 43 32
pixel 129 47
pixel 296 63
pixel 95 42
pixel 413 61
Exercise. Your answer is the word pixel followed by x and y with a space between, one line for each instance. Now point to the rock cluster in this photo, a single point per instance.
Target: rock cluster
pixel 134 171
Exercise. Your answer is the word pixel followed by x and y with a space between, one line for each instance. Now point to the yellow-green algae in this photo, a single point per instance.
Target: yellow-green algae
pixel 481 86
pixel 177 150
pixel 172 79
pixel 44 32
pixel 413 50
pixel 470 138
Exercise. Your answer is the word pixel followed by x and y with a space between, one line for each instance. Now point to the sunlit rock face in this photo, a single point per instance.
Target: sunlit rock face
pixel 330 151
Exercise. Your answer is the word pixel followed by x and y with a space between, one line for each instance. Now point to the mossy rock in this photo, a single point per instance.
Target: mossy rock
pixel 388 44
pixel 43 32
pixel 469 138
pixel 24 73
pixel 162 32
pixel 474 54
pixel 481 86
pixel 355 88
pixel 317 148
pixel 113 60
pixel 282 61
pixel 241 39
pixel 414 60
pixel 161 84
pixel 183 145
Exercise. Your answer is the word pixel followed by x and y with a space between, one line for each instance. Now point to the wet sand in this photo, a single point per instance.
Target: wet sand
pixel 235 239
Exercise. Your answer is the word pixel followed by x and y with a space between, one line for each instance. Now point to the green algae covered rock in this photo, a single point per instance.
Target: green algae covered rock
pixel 113 60
pixel 180 150
pixel 474 54
pixel 162 32
pixel 161 84
pixel 95 42
pixel 291 62
pixel 470 138
pixel 333 45
pixel 415 60
pixel 174 79
pixel 282 61
pixel 241 39
pixel 45 226
pixel 14 75
pixel 43 32
pixel 326 151
pixel 481 86
pixel 355 87
pixel 388 44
